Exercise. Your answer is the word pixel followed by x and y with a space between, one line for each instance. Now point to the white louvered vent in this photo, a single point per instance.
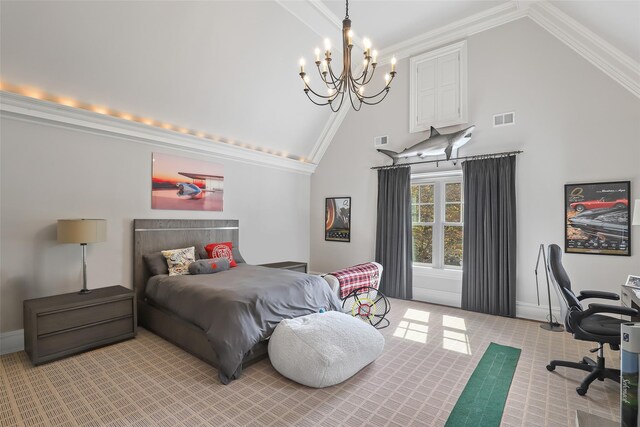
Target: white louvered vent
pixel 380 141
pixel 504 119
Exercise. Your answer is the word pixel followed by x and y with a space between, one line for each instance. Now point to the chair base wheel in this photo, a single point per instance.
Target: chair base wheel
pixel 581 391
pixel 551 368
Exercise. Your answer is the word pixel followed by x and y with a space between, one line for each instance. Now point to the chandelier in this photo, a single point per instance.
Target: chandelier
pixel 346 84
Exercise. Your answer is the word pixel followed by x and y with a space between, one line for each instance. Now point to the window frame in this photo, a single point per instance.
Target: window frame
pixel 439 180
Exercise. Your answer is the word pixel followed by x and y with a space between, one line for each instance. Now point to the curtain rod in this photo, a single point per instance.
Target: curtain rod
pixel 474 157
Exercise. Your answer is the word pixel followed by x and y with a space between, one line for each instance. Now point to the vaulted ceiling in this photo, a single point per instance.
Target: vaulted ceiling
pixel 228 68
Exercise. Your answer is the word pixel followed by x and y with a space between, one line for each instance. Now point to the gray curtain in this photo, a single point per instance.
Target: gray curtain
pixel 393 232
pixel 489 254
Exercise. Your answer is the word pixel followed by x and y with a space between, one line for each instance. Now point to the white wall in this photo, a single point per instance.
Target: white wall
pixel 573 122
pixel 49 173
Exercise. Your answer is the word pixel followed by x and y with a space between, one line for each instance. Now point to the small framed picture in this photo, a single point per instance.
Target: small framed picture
pixel 633 281
pixel 337 219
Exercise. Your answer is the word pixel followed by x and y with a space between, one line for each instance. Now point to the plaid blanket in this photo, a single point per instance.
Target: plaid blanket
pixel 357 277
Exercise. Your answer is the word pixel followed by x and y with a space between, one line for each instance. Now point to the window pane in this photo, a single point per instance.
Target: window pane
pixel 415 209
pixel 453 212
pixel 423 244
pixel 415 192
pixel 426 193
pixel 453 192
pixel 426 213
pixel 452 245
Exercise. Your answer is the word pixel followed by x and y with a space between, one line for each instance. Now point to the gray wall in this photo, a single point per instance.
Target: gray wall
pixel 49 173
pixel 573 122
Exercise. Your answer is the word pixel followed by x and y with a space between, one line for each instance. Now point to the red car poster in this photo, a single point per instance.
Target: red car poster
pixel 597 218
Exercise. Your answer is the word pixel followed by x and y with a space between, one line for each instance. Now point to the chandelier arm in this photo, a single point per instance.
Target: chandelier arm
pixel 333 76
pixel 363 75
pixel 351 93
pixel 373 71
pixel 340 104
pixel 333 82
pixel 308 88
pixel 376 102
pixel 323 76
pixel 385 88
pixel 312 100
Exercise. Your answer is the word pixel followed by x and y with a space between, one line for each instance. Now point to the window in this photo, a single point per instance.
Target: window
pixel 437 213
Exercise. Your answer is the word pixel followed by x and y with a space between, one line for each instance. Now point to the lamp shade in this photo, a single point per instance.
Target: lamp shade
pixel 82 230
pixel 636 213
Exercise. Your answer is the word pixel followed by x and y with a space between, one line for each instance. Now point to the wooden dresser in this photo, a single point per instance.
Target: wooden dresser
pixel 61 325
pixel 288 265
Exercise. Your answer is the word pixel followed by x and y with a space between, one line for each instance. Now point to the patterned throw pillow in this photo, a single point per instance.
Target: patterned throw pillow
pixel 178 260
pixel 221 250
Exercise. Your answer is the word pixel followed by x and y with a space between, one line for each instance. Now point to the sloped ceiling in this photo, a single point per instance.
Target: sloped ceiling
pixel 228 68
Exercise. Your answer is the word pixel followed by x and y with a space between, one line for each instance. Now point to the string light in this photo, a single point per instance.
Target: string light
pixel 36 93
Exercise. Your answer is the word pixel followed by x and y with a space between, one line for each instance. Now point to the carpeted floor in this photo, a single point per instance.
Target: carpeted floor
pixel 431 351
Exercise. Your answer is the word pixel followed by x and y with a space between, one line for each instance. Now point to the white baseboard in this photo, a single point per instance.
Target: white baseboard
pixel 452 299
pixel 526 310
pixel 12 341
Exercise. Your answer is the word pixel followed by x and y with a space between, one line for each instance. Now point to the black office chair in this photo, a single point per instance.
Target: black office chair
pixel 587 325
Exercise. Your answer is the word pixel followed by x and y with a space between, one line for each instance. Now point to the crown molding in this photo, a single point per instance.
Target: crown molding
pixel 610 60
pixel 327 134
pixel 316 16
pixel 24 108
pixel 477 23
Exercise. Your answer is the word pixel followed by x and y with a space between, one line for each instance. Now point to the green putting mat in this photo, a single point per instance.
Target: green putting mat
pixel 482 400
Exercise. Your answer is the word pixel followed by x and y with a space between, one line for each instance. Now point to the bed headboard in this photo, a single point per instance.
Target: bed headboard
pixel 153 235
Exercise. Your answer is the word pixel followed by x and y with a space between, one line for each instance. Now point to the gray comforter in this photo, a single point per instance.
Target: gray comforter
pixel 240 307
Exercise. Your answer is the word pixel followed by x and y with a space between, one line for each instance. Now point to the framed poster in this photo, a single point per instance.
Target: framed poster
pixel 597 218
pixel 186 184
pixel 337 219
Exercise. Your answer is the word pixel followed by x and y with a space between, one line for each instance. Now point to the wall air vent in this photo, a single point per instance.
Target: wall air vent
pixel 504 119
pixel 380 141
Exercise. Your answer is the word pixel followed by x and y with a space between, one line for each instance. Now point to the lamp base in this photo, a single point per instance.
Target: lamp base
pixel 553 327
pixel 84 291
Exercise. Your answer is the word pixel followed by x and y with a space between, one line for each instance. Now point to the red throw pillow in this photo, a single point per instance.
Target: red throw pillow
pixel 221 250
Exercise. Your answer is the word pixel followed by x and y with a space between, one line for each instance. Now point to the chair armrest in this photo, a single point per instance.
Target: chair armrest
pixel 576 317
pixel 612 309
pixel 598 294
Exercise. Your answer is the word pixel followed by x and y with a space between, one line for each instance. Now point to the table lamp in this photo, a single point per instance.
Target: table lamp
pixel 636 213
pixel 82 231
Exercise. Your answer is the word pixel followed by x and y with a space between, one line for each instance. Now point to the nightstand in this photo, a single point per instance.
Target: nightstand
pixel 288 265
pixel 62 325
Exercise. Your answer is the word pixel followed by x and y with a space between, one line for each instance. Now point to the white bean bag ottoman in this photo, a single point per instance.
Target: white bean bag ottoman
pixel 323 349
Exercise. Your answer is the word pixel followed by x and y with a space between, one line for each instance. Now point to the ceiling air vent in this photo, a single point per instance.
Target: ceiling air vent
pixel 380 141
pixel 504 119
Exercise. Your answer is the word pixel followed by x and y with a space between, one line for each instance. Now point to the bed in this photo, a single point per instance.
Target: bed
pixel 222 318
